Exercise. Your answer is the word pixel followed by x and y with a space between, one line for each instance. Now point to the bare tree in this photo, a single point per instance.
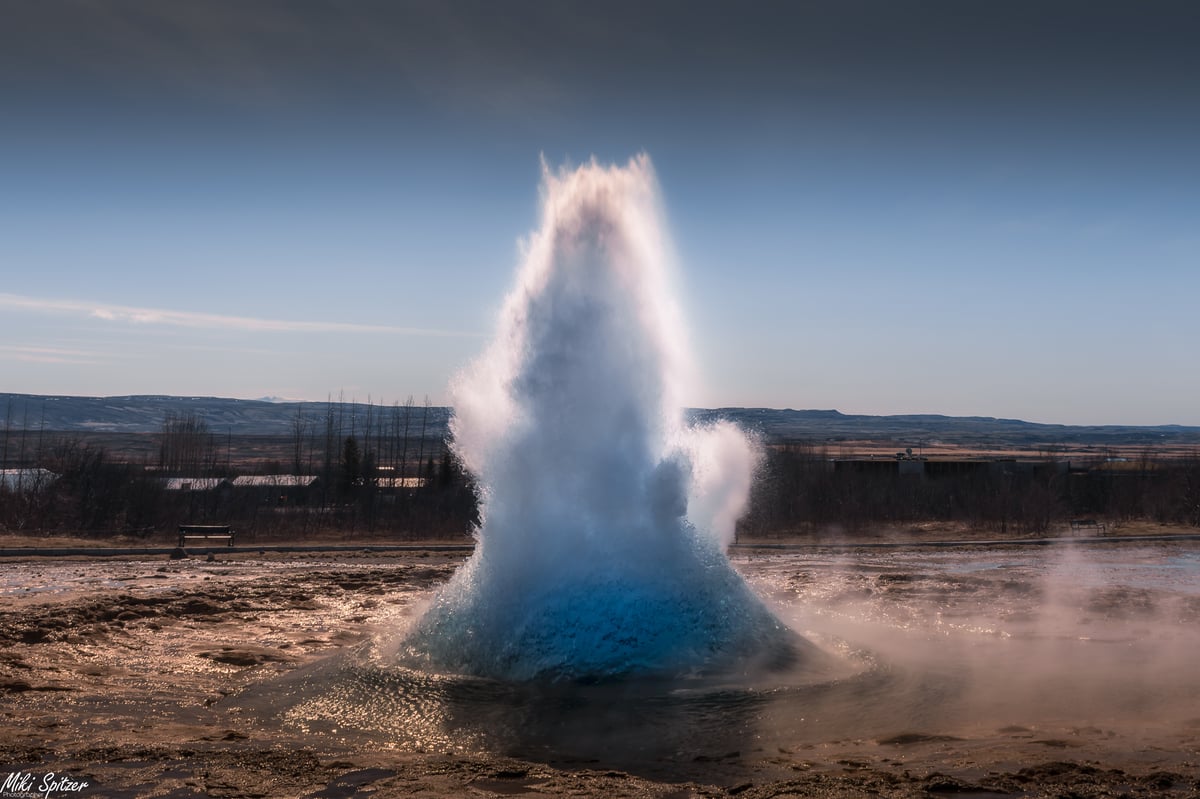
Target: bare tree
pixel 421 444
pixel 7 430
pixel 408 404
pixel 186 448
pixel 24 435
pixel 299 426
pixel 331 442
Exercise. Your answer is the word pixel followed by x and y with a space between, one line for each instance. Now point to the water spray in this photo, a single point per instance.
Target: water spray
pixel 604 517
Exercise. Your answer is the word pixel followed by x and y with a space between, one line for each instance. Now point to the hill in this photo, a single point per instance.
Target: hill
pixel 237 417
pixel 146 414
pixel 965 431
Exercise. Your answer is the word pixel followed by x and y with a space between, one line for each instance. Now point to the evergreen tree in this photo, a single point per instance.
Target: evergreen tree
pixel 351 471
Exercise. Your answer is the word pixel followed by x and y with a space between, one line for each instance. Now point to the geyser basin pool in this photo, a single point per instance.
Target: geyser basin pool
pixel 1011 661
pixel 600 553
pixel 969 658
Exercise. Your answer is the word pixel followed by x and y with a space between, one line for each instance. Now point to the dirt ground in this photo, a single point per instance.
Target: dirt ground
pixel 122 675
pixel 943 531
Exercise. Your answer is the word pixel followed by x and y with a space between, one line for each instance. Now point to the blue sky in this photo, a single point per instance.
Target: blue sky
pixel 968 208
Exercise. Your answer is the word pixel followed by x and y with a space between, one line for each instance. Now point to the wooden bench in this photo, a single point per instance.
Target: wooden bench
pixel 1079 526
pixel 205 532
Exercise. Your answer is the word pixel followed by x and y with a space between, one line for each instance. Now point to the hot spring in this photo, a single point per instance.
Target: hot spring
pixel 604 518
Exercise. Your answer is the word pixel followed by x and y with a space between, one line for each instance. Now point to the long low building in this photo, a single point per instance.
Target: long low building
pixel 26 480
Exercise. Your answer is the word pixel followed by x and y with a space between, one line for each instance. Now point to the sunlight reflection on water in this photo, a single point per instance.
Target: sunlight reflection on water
pixel 943 643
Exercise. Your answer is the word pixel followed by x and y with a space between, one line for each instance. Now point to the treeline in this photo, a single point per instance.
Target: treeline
pixel 377 474
pixel 380 474
pixel 90 493
pixel 800 489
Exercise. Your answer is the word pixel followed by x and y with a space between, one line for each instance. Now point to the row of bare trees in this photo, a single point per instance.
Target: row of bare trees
pixel 387 470
pixel 801 489
pixel 377 470
pixel 91 493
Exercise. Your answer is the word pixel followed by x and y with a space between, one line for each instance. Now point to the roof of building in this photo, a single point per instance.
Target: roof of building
pixel 400 482
pixel 192 483
pixel 274 481
pixel 26 479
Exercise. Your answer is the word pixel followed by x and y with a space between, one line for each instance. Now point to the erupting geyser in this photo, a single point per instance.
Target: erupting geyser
pixel 600 553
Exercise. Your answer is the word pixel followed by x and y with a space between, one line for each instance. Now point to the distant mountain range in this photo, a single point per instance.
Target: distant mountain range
pixel 146 413
pixel 914 429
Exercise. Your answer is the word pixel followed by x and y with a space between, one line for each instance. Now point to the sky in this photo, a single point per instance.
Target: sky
pixel 958 207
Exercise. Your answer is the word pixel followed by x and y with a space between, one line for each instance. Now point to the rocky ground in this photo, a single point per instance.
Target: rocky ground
pixel 121 675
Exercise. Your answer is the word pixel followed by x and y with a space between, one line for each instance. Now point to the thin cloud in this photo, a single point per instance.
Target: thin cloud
pixel 129 315
pixel 52 355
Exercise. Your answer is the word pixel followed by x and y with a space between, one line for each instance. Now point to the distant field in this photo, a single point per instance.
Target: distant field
pixel 1084 453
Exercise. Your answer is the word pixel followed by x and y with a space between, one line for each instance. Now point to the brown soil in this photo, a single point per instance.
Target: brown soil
pixel 940 531
pixel 117 675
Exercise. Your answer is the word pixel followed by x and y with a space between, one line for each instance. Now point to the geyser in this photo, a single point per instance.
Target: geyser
pixel 601 548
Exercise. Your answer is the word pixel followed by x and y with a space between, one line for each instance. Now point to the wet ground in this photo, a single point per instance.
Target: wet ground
pixel 1011 670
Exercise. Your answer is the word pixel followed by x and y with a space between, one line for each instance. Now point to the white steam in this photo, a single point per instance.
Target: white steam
pixel 600 550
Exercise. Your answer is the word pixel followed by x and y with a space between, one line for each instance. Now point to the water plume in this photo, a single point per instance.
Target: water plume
pixel 601 548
